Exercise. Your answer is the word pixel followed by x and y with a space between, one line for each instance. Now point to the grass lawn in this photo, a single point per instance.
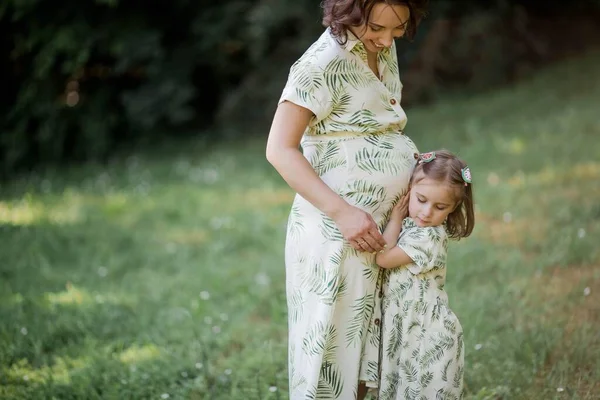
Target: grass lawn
pixel 160 276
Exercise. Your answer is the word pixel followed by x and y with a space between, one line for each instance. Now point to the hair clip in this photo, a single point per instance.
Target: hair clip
pixel 466 175
pixel 427 157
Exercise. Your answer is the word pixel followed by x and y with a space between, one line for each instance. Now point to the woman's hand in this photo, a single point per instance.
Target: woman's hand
pixel 359 228
pixel 400 210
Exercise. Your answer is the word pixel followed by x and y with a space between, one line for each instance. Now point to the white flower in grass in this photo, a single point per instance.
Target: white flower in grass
pixel 102 272
pixel 25 378
pixel 199 365
pixel 195 175
pixel 133 162
pixel 273 389
pixel 24 331
pixel 581 233
pixel 133 368
pixel 171 248
pixel 204 295
pixel 216 329
pixel 227 371
pixel 587 291
pixel 221 222
pixel 478 346
pixel 507 217
pixel 560 389
pixel 182 166
pixel 164 396
pixel 211 176
pixel 46 186
pixel 123 381
pixel 208 320
pixel 145 377
pixel 224 317
pixel 262 279
pixel 184 374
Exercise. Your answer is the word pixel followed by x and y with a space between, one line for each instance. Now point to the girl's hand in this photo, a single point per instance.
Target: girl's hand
pixel 360 229
pixel 400 210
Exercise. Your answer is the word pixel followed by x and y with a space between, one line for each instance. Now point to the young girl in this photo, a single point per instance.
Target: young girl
pixel 421 351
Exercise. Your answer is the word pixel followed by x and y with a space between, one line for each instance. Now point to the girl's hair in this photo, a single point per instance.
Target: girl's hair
pixel 339 15
pixel 447 168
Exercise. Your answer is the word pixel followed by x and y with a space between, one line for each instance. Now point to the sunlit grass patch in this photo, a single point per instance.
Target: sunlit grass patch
pixel 508 230
pixel 161 274
pixel 137 354
pixel 30 210
pixel 570 297
pixel 60 371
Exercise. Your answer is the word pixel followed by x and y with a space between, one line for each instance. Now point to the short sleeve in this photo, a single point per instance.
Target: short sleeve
pixel 307 88
pixel 425 246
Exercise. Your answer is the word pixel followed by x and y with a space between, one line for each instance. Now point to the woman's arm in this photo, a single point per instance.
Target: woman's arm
pixel 289 123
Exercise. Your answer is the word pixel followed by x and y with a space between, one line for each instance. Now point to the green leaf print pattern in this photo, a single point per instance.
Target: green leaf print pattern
pixel 295 225
pixel 426 379
pixel 380 141
pixel 389 393
pixel 329 230
pixel 316 339
pixel 410 371
pixel 423 339
pixel 326 157
pixel 366 120
pixel 341 73
pixel 395 336
pixel 365 194
pixel 363 309
pixel 331 288
pixel 324 282
pixel 380 161
pixel 330 383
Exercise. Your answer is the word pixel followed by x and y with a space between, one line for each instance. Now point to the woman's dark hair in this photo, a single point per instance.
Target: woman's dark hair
pixel 339 15
pixel 446 168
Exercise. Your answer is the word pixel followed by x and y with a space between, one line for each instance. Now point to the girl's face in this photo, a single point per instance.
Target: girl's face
pixel 386 23
pixel 430 202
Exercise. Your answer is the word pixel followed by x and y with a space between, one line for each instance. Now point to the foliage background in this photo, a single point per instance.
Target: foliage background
pixel 84 79
pixel 135 263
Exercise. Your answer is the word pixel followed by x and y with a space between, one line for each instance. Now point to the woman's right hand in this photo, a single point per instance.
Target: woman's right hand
pixel 359 228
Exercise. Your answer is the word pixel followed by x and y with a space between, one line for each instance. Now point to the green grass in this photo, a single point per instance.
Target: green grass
pixel 162 273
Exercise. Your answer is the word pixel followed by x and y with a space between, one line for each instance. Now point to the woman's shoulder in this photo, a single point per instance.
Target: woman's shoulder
pixel 320 54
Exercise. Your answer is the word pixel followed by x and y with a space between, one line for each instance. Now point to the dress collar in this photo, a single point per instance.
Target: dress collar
pixel 353 44
pixel 352 41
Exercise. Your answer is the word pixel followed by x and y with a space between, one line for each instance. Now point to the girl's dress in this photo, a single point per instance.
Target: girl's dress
pixel 355 144
pixel 422 350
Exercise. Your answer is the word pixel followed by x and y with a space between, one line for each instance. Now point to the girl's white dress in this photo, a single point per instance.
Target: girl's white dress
pixel 422 350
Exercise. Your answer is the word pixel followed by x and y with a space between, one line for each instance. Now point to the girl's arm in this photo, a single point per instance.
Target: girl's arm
pixel 283 153
pixel 393 256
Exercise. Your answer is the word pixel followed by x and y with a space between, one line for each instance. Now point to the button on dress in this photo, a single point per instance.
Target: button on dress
pixel 355 144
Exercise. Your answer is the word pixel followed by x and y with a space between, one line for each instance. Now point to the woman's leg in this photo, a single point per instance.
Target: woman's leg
pixel 362 391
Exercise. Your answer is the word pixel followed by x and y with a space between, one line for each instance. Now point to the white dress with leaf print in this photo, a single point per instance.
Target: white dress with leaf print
pixel 422 348
pixel 355 144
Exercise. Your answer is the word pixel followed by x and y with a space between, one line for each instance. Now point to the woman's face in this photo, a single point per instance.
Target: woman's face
pixel 386 23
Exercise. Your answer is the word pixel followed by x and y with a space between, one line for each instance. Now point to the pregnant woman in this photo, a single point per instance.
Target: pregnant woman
pixel 341 103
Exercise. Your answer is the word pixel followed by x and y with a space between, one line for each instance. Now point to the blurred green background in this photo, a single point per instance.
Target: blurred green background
pixel 142 230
